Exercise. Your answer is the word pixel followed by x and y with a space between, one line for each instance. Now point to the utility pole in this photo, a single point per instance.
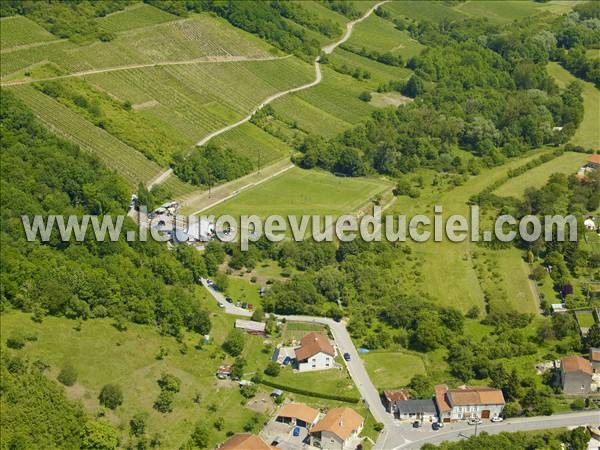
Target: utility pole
pixel 259 160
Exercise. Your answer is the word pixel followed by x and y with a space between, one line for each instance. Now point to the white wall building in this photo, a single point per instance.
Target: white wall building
pixel 315 353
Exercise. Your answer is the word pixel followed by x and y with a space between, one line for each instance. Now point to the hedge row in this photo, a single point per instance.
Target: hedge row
pixel 341 398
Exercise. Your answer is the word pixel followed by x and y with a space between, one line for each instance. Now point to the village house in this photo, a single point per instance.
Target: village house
pixel 595 359
pixel 390 397
pixel 224 372
pixel 251 327
pixel 315 353
pixel 576 375
pixel 415 409
pixel 593 163
pixel 338 430
pixel 245 441
pixel 298 414
pixel 466 402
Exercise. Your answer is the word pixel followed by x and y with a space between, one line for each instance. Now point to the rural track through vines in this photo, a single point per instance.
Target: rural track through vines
pixel 327 49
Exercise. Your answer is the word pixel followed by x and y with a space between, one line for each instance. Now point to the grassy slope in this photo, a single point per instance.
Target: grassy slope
pixel 392 369
pixel 298 192
pixel 567 163
pixel 448 270
pixel 588 133
pixel 375 33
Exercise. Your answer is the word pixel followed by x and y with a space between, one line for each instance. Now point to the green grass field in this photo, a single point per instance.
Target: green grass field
pixel 585 319
pixel 298 192
pixel 448 270
pixel 375 33
pixel 588 133
pixel 18 30
pixel 423 10
pixel 136 16
pixel 392 369
pixel 568 163
pixel 499 11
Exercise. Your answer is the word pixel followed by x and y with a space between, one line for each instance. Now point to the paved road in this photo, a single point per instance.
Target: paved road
pixel 415 438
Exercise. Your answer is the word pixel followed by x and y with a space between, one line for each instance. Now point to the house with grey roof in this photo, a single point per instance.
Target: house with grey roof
pixel 415 409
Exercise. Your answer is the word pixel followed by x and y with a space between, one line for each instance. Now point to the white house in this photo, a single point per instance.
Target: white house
pixel 315 353
pixel 464 403
pixel 338 430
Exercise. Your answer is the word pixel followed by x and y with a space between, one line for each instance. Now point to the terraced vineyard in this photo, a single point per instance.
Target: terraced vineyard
pixel 179 40
pixel 129 163
pixel 19 31
pixel 136 16
pixel 200 98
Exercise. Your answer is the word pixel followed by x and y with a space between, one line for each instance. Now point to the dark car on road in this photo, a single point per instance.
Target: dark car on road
pixel 347 356
pixel 436 426
pixel 417 424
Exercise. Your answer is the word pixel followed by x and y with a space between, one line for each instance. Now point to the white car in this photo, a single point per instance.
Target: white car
pixel 497 419
pixel 474 421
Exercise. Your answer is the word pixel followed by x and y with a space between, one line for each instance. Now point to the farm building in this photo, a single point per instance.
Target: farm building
pixel 390 397
pixel 245 441
pixel 338 430
pixel 463 403
pixel 315 353
pixel 415 409
pixel 298 414
pixel 224 372
pixel 576 375
pixel 595 359
pixel 558 308
pixel 250 326
pixel 593 163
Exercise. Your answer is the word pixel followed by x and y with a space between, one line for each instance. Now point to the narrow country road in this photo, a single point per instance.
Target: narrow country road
pixel 160 178
pixel 202 60
pixel 329 48
pixel 400 435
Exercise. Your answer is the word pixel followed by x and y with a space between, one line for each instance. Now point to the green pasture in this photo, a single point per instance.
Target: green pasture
pixel 20 31
pixel 136 16
pixel 568 163
pixel 392 369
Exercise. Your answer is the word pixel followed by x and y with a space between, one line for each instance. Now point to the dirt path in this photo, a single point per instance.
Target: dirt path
pixel 329 48
pixel 203 60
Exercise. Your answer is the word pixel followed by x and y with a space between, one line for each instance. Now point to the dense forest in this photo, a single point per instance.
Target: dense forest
pixel 139 281
pixel 491 96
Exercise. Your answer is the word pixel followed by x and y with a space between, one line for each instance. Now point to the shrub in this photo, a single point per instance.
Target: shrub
pixel 68 375
pixel 168 382
pixel 15 341
pixel 164 402
pixel 578 404
pixel 137 424
pixel 272 369
pixel 111 396
pixel 249 390
pixel 365 96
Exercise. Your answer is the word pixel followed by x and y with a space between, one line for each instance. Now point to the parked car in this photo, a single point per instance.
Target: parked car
pixel 221 305
pixel 244 305
pixel 417 424
pixel 229 299
pixel 497 419
pixel 474 421
pixel 435 426
pixel 296 431
pixel 250 306
pixel 347 356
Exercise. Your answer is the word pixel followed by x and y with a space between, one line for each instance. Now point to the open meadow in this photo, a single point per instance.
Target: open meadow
pixel 298 192
pixel 568 163
pixel 588 134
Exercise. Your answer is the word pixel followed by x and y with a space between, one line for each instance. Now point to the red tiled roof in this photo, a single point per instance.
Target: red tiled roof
pixel 440 398
pixel 476 396
pixel 575 364
pixel 594 159
pixel 313 343
pixel 340 421
pixel 299 411
pixel 396 395
pixel 245 441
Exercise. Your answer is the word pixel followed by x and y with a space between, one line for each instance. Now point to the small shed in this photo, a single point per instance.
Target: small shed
pixel 250 326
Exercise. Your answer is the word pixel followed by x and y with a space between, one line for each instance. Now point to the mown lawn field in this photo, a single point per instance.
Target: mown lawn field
pixel 392 369
pixel 423 10
pixel 568 163
pixel 588 133
pixel 299 192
